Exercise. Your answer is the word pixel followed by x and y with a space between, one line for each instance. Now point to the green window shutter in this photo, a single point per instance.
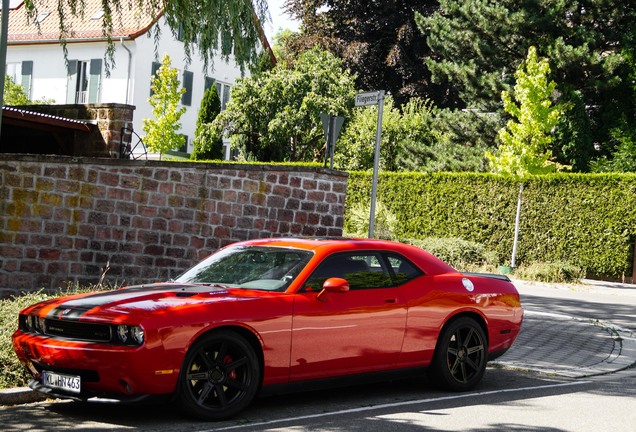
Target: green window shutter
pixel 155 68
pixel 186 98
pixel 27 74
pixel 209 82
pixel 71 84
pixel 94 80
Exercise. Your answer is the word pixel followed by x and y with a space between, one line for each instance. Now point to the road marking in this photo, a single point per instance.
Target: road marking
pixel 395 405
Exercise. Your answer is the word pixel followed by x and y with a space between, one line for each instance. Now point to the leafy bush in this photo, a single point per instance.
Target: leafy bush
pixel 463 255
pixel 556 272
pixel 12 373
pixel 385 223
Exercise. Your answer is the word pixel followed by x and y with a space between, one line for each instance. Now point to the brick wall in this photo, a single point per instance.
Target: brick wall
pixel 64 218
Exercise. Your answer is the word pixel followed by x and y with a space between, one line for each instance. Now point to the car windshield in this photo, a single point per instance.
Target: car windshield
pixel 253 267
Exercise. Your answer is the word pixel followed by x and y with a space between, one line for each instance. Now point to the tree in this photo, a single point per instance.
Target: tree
pixel 230 28
pixel 526 139
pixel 207 144
pixel 14 94
pixel 476 45
pixel 275 116
pixel 161 132
pixel 414 138
pixel 377 40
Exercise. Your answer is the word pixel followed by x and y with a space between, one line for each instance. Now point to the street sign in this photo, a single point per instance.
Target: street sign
pixel 368 98
pixel 338 122
pixel 332 125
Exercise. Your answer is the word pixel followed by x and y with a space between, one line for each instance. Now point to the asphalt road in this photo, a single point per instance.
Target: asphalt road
pixel 506 400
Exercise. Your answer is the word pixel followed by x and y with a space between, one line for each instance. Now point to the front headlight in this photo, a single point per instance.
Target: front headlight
pixel 122 333
pixel 137 334
pixel 130 335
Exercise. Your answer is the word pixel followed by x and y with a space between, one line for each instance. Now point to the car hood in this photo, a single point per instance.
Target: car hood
pixel 138 301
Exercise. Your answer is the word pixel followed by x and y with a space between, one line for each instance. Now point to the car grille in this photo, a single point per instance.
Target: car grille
pixel 78 330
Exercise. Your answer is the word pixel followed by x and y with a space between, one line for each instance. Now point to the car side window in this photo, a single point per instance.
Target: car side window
pixel 403 270
pixel 364 270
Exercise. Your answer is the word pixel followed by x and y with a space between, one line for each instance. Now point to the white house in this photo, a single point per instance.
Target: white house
pixel 35 60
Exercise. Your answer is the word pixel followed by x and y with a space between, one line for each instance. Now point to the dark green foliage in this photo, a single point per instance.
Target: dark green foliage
pixel 377 40
pixel 275 116
pixel 206 145
pixel 477 45
pixel 461 139
pixel 584 219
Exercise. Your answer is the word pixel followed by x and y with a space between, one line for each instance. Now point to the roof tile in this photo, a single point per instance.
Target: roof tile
pixel 131 22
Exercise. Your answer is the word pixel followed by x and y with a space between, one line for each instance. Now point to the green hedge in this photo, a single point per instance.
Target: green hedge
pixel 588 220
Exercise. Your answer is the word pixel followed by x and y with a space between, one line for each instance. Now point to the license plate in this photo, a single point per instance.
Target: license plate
pixel 70 383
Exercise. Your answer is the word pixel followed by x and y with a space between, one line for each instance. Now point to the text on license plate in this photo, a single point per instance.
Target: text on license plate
pixel 69 383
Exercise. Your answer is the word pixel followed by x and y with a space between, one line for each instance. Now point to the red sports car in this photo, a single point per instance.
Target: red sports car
pixel 263 313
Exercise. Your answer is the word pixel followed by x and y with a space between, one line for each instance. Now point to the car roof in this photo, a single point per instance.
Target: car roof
pixel 327 245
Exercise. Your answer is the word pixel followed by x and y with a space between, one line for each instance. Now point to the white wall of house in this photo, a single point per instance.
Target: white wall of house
pixel 129 80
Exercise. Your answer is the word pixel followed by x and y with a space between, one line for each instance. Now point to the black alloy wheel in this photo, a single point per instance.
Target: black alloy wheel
pixel 460 357
pixel 220 376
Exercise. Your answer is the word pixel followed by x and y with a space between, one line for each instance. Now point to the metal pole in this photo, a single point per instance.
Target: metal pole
pixel 328 143
pixel 376 162
pixel 517 218
pixel 4 31
pixel 332 141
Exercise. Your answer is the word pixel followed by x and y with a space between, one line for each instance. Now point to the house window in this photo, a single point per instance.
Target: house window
pixel 84 81
pixel 41 17
pixel 184 147
pixel 20 73
pixel 14 71
pixel 81 84
pixel 224 91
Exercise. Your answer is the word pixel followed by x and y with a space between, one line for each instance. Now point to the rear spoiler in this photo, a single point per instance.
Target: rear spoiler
pixel 490 276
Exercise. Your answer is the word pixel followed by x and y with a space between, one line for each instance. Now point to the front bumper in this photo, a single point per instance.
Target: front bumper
pixel 106 371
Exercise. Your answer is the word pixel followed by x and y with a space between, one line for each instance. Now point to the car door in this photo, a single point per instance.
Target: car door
pixel 360 330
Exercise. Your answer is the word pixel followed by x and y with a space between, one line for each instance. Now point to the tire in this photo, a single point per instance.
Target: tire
pixel 460 356
pixel 220 376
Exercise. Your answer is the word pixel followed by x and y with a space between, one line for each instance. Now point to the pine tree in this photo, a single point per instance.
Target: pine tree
pixel 478 44
pixel 207 144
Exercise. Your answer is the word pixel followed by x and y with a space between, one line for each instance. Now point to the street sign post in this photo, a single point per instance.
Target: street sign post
pixel 367 99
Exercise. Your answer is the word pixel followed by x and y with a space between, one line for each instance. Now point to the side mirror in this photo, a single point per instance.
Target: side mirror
pixel 333 285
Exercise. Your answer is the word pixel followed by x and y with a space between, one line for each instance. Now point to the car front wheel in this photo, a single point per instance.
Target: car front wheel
pixel 220 376
pixel 460 357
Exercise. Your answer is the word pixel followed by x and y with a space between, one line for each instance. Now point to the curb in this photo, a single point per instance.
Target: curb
pixel 20 395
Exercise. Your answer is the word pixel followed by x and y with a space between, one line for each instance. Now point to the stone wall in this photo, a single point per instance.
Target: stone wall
pixel 110 118
pixel 63 219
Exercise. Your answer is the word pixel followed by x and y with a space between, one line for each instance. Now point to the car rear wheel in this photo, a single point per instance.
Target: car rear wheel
pixel 460 357
pixel 220 376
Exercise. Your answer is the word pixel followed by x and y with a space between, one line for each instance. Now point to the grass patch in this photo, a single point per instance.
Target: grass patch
pixel 555 272
pixel 12 373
